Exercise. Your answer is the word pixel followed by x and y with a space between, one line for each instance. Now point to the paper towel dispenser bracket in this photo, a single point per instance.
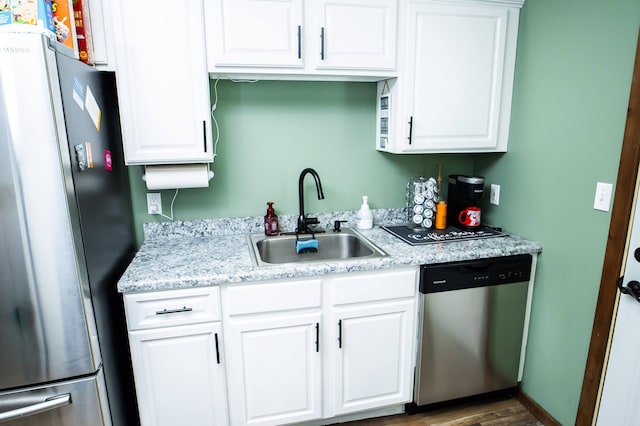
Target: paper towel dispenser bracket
pixel 177 176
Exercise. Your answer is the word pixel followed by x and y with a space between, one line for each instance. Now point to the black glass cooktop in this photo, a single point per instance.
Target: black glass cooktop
pixel 421 236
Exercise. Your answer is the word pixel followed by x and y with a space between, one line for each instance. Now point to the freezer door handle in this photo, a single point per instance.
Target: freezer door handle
pixel 48 404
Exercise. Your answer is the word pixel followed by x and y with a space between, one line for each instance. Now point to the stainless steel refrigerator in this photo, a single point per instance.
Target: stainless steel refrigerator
pixel 66 235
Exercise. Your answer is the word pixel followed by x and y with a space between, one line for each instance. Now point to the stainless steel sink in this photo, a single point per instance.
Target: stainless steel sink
pixel 348 244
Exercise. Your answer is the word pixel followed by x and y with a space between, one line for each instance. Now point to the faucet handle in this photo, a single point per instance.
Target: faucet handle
pixel 336 225
pixel 303 225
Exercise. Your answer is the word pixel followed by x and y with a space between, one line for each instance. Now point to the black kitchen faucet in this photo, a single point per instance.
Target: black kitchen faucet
pixel 303 221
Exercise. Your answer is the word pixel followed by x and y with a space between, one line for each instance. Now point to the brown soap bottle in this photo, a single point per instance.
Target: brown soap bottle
pixel 271 221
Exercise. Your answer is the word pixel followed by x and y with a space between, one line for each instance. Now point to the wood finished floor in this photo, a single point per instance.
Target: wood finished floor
pixel 499 413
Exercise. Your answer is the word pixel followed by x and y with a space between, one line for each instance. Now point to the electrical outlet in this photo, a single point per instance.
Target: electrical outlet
pixel 154 203
pixel 494 198
pixel 603 196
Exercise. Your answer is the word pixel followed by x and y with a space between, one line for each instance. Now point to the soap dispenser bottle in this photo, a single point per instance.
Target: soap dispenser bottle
pixel 271 221
pixel 364 218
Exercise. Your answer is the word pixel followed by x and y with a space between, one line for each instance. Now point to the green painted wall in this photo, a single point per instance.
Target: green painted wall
pixel 270 131
pixel 573 75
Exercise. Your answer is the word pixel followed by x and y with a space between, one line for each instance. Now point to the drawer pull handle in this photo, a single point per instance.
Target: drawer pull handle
pixel 340 334
pixel 173 311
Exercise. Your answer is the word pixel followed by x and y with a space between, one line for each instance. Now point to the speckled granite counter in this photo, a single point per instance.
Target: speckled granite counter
pixel 212 252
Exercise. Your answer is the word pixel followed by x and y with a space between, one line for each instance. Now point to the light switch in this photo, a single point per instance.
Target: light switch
pixel 603 196
pixel 494 197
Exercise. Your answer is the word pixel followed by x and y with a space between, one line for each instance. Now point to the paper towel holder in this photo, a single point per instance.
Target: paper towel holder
pixel 177 176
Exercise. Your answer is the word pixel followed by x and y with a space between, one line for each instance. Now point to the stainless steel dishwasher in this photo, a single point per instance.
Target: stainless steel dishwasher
pixel 471 326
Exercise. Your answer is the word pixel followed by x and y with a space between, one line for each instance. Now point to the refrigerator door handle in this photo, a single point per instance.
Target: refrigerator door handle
pixel 48 404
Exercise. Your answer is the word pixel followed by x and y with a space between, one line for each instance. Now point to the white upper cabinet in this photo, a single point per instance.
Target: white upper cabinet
pixel 102 45
pixel 302 39
pixel 356 34
pixel 255 33
pixel 164 109
pixel 454 91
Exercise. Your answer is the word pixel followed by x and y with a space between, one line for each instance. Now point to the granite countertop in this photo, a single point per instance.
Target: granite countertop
pixel 215 251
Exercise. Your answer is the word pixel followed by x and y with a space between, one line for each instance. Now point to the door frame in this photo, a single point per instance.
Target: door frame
pixel 614 255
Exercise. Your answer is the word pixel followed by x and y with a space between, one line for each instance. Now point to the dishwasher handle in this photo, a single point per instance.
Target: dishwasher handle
pixel 476 266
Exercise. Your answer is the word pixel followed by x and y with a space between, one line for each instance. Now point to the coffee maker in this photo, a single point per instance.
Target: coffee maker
pixel 464 194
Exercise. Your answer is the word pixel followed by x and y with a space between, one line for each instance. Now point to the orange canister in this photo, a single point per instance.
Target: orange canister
pixel 441 215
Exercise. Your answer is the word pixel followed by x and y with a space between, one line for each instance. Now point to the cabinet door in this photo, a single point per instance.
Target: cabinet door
pixel 356 34
pixel 179 376
pixel 275 365
pixel 99 35
pixel 163 85
pixel 256 33
pixel 455 62
pixel 374 346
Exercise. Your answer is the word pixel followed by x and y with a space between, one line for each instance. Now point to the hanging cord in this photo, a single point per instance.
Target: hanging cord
pixel 213 118
pixel 172 201
pixel 215 106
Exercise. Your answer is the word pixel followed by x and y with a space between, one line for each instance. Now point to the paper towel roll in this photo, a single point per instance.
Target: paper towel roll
pixel 177 176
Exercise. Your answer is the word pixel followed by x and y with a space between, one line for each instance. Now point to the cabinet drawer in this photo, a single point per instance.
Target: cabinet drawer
pixel 372 287
pixel 173 307
pixel 272 296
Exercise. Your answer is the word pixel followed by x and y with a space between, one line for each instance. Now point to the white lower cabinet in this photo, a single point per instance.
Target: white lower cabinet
pixel 294 350
pixel 176 353
pixel 373 361
pixel 301 350
pixel 275 366
pixel 373 316
pixel 272 333
pixel 179 376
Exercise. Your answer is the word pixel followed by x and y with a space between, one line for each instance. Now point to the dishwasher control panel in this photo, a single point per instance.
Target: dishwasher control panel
pixel 475 273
